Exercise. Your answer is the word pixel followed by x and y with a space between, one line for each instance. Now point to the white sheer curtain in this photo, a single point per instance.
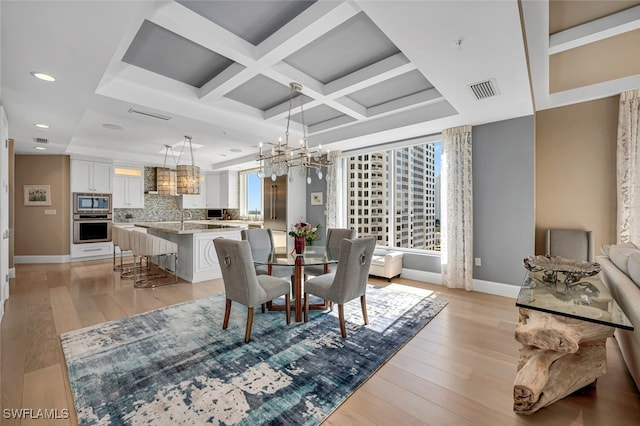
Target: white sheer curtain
pixel 457 202
pixel 628 168
pixel 333 206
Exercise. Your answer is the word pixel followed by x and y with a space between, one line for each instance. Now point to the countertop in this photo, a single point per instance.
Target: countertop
pixel 190 226
pixel 251 223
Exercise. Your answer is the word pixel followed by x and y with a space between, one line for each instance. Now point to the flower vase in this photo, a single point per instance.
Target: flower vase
pixel 299 244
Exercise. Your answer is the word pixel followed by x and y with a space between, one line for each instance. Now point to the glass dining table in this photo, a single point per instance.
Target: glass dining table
pixel 311 256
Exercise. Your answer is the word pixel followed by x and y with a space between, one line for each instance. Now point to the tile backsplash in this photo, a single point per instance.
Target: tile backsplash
pixel 157 208
pixel 160 208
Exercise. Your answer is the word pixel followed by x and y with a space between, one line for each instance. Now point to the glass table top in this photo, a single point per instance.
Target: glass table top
pixel 587 300
pixel 312 256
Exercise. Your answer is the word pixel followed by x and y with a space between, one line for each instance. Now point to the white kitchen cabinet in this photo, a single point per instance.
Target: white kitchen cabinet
pixel 198 201
pixel 91 250
pixel 213 190
pixel 128 192
pixel 222 190
pixel 91 176
pixel 197 257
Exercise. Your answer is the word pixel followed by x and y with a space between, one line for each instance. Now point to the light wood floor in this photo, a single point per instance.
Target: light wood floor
pixel 458 370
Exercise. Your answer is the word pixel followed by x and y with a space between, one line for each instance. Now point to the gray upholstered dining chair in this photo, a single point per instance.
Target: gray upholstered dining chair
pixel 334 239
pixel 348 282
pixel 242 285
pixel 261 243
pixel 570 244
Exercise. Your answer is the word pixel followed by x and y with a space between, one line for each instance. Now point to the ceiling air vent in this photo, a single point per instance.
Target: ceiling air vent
pixel 149 114
pixel 41 140
pixel 485 89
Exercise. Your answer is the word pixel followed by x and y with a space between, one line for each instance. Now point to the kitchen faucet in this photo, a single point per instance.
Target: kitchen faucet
pixel 182 218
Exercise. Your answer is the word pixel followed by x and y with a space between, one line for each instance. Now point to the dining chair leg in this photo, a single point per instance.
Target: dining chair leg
pixel 227 312
pixel 263 307
pixel 247 333
pixel 343 328
pixel 363 303
pixel 287 307
pixel 306 307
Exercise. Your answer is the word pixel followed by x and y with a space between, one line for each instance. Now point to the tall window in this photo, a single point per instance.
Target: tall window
pixel 250 194
pixel 401 189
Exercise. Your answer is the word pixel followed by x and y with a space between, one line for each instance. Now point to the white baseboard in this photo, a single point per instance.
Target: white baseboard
pixel 415 274
pixel 490 287
pixel 65 258
pixel 499 289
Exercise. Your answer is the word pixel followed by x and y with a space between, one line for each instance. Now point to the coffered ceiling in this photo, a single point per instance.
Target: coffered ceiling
pixel 133 76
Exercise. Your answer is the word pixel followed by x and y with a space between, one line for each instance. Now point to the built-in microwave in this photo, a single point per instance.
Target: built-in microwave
pixel 215 213
pixel 91 203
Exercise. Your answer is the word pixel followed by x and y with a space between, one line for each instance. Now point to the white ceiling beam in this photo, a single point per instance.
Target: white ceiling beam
pixel 281 111
pixel 228 79
pixel 330 124
pixel 314 22
pixel 594 91
pixel 285 74
pixel 188 24
pixel 596 30
pixel 133 75
pixel 347 106
pixel 536 26
pixel 410 101
pixel 375 73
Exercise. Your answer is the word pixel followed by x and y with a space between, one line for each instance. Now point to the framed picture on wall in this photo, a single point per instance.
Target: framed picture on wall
pixel 37 195
pixel 316 198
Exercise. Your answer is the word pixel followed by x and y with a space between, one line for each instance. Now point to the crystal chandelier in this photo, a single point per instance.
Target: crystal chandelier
pixel 282 157
pixel 188 176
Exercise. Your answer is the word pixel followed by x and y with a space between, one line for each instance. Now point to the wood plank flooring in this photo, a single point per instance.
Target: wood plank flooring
pixel 458 370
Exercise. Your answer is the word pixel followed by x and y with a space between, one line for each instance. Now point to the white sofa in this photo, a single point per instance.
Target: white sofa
pixel 621 274
pixel 387 264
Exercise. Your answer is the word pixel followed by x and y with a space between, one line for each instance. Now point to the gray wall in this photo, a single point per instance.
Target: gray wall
pixel 315 214
pixel 503 198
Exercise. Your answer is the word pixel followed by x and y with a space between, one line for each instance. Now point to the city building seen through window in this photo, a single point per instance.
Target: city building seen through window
pixel 394 195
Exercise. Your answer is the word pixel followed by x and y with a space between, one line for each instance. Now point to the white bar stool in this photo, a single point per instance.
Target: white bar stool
pixel 147 246
pixel 123 237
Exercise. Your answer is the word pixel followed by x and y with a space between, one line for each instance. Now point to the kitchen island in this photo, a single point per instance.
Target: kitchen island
pixel 197 259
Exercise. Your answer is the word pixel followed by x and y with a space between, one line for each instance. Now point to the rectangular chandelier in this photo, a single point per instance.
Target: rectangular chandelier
pixel 188 178
pixel 188 175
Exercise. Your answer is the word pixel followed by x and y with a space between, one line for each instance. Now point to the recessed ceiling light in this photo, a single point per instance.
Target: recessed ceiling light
pixel 112 126
pixel 41 126
pixel 40 148
pixel 235 150
pixel 43 76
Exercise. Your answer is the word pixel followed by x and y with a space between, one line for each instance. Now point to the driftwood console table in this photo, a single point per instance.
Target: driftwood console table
pixel 563 330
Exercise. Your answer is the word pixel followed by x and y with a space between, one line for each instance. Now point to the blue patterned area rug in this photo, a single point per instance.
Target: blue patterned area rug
pixel 177 365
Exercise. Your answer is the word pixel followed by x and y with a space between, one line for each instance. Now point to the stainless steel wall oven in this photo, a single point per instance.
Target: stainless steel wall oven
pixel 92 218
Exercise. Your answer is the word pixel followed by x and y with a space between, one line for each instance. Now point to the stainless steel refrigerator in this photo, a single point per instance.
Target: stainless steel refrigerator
pixel 275 209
